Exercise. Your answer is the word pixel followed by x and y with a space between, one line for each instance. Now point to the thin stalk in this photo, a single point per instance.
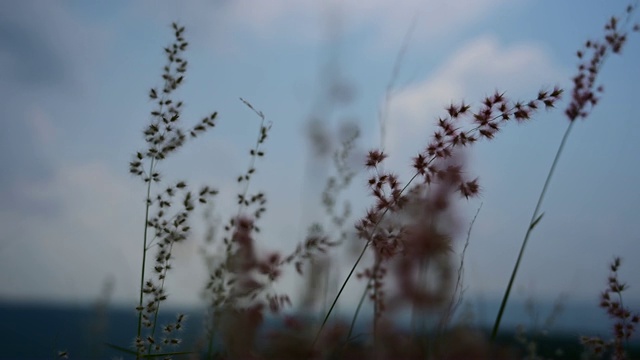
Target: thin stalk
pixel 344 284
pixel 535 218
pixel 155 316
pixel 357 312
pixel 458 291
pixel 144 250
pixel 144 247
pixel 355 315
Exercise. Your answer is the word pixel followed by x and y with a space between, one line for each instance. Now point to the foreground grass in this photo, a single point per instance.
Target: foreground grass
pixel 408 231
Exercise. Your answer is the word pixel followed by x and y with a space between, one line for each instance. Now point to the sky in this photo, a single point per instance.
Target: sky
pixel 74 82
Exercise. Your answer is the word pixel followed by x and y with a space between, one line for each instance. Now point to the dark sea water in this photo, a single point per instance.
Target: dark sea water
pixel 38 331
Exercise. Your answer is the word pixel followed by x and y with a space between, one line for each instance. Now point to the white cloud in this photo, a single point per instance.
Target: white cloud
pixel 305 20
pixel 477 69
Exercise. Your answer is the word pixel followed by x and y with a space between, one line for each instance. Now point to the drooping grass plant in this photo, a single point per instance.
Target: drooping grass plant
pixel 437 165
pixel 584 96
pixel 409 230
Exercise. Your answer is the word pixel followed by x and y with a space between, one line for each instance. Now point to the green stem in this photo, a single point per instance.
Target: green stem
pixel 534 220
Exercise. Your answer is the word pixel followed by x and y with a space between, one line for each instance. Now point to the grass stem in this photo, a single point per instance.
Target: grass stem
pixel 535 218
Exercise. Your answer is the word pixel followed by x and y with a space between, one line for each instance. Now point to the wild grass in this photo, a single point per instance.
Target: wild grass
pixel 408 231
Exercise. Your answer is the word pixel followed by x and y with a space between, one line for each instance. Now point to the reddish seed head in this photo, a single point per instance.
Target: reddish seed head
pixel 464 108
pixel 452 110
pixel 469 188
pixel 420 164
pixel 374 158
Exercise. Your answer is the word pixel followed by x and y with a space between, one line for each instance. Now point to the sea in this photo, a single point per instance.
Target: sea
pixel 41 331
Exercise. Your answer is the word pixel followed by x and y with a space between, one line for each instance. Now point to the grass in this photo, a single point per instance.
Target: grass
pixel 408 231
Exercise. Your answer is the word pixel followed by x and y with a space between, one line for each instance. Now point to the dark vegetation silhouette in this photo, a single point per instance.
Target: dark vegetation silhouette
pixel 408 231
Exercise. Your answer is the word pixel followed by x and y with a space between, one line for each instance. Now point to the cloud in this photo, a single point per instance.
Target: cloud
pixel 47 53
pixel 53 48
pixel 477 69
pixel 387 17
pixel 307 20
pixel 22 158
pixel 65 255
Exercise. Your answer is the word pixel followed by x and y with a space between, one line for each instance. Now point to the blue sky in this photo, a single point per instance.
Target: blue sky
pixel 75 77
